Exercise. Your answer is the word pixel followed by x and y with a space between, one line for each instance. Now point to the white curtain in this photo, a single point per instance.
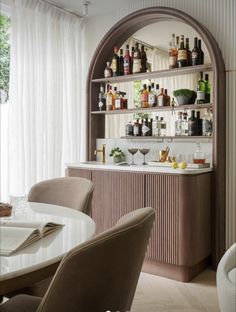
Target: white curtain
pixel 46 118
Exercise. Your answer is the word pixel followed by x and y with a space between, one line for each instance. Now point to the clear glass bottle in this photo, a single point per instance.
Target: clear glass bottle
pixel 151 97
pixel 178 124
pixel 161 98
pixel 108 71
pixel 199 156
pixel 184 128
pixel 109 98
pixel 163 127
pixel 101 99
pixel 207 123
pixel 155 125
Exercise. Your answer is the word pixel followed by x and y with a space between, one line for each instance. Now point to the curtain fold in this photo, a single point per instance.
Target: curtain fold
pixel 46 101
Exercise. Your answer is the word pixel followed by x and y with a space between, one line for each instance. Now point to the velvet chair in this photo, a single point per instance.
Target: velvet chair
pixel 99 275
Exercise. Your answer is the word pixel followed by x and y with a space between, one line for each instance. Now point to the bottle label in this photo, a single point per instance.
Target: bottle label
pixel 200 95
pixel 118 104
pixel 151 99
pixel 107 73
pixel 126 67
pixel 136 65
pixel 194 55
pixel 136 130
pixel 114 65
pixel 145 129
pixel 182 55
pixel 144 97
pixel 172 61
pixel 160 100
pixel 109 102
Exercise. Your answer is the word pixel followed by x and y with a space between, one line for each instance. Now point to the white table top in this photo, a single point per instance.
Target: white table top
pixel 50 249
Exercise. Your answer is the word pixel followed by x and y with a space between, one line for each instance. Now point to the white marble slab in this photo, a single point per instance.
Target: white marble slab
pixel 139 168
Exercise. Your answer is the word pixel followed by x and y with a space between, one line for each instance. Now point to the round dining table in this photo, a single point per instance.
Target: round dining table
pixel 41 259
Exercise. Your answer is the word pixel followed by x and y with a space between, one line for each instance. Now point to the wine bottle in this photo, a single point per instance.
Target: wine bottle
pixel 199 124
pixel 182 60
pixel 127 62
pixel 115 63
pixel 207 89
pixel 192 124
pixel 189 53
pixel 143 56
pixel 137 60
pixel 201 87
pixel 201 54
pixel 195 53
pixel 121 63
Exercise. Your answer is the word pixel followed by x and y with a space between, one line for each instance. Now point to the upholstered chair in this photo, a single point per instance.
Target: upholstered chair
pixel 226 280
pixel 70 192
pixel 99 275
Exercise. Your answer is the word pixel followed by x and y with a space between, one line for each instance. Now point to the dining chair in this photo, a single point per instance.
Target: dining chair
pixel 71 192
pixel 99 275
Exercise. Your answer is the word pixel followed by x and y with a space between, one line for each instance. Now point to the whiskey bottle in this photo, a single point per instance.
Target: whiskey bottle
pixel 182 60
pixel 195 53
pixel 121 63
pixel 167 99
pixel 161 98
pixel 201 54
pixel 137 60
pixel 144 97
pixel 151 96
pixel 143 60
pixel 207 89
pixel 127 62
pixel 172 53
pixel 101 99
pixel 115 63
pixel 108 71
pixel 109 98
pixel 189 53
pixel 201 89
pixel 192 124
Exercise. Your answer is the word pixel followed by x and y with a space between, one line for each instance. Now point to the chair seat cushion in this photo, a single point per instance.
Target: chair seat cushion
pixel 21 303
pixel 232 276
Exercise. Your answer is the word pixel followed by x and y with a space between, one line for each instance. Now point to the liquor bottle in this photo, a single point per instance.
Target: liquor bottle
pixel 167 99
pixel 184 127
pixel 172 53
pixel 115 63
pixel 177 44
pixel 115 99
pixel 101 99
pixel 137 60
pixel 129 129
pixel 132 59
pixel 155 125
pixel 121 63
pixel 207 89
pixel 195 53
pixel 161 98
pixel 136 129
pixel 162 127
pixel 199 124
pixel 207 123
pixel 189 53
pixel 192 124
pixel 151 96
pixel 145 128
pixel 109 98
pixel 143 60
pixel 108 71
pixel 178 124
pixel 127 62
pixel 144 97
pixel 201 54
pixel 150 127
pixel 182 59
pixel 201 90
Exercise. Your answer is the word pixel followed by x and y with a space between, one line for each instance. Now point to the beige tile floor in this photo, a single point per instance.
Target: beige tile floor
pixel 158 294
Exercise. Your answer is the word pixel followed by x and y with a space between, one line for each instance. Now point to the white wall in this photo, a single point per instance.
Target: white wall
pixel 219 16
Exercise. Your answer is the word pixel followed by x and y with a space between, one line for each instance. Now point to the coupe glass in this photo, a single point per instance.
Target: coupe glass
pixel 132 151
pixel 144 151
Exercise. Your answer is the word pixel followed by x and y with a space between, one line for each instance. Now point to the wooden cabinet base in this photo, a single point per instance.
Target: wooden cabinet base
pixel 176 272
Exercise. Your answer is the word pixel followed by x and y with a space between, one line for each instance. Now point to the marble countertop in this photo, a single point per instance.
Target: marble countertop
pixel 138 168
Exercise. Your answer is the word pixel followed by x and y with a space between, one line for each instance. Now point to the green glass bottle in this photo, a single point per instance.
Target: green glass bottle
pixel 201 87
pixel 207 89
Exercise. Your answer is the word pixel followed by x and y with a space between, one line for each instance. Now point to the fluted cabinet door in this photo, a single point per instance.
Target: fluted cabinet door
pixel 115 194
pixel 162 193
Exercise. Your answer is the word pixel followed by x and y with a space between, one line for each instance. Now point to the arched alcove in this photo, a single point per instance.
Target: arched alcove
pixel 117 35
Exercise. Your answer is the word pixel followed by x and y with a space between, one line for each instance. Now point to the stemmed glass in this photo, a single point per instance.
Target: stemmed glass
pixel 132 151
pixel 144 151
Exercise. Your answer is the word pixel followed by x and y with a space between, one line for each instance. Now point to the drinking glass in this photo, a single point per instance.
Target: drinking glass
pixel 144 151
pixel 132 151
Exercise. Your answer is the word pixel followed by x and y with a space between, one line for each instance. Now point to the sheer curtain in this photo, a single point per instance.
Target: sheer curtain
pixel 46 117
